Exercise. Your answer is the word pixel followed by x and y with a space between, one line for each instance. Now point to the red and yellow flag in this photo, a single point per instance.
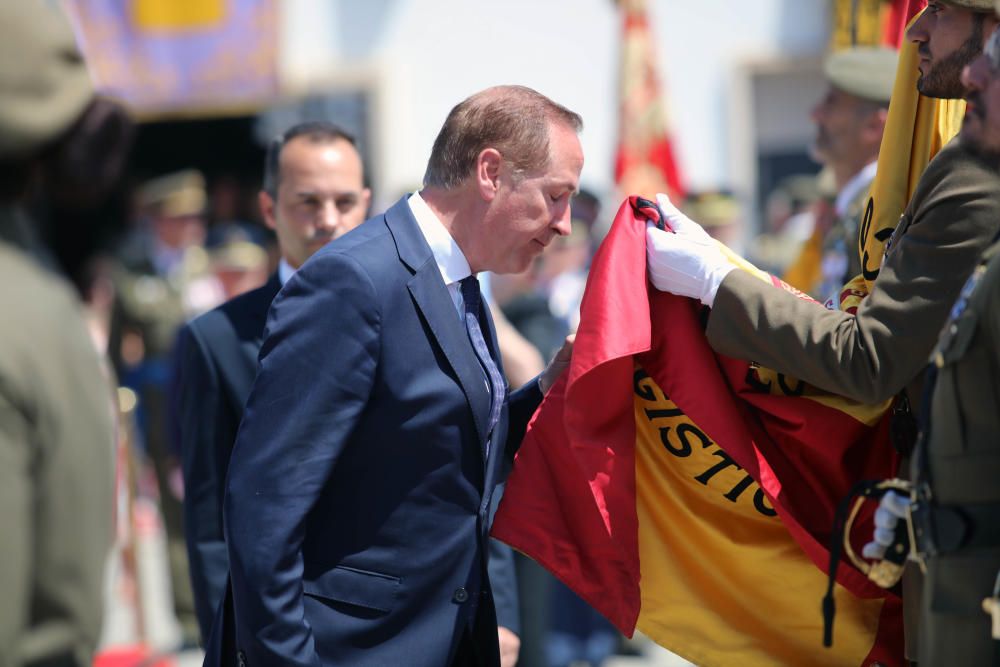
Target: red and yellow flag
pixel 691 495
pixel 896 17
pixel 645 161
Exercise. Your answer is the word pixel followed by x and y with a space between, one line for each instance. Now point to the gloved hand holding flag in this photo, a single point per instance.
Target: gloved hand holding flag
pixel 684 260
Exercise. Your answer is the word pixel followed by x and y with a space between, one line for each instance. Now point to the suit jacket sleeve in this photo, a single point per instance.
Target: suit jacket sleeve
pixel 314 379
pixel 520 409
pixel 503 576
pixel 206 437
pixel 869 357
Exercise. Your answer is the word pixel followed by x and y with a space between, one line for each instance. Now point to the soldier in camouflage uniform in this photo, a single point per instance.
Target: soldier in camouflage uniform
pixel 849 123
pixel 956 467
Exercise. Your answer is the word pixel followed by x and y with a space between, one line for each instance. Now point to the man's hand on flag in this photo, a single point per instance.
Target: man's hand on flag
pixel 557 366
pixel 685 261
pixel 893 507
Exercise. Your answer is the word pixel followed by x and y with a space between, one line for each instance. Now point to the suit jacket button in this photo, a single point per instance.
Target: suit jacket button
pixel 460 596
pixel 241 659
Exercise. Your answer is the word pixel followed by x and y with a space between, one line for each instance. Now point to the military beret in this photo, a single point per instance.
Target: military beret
pixel 238 256
pixel 865 72
pixel 974 5
pixel 44 83
pixel 175 195
pixel 713 208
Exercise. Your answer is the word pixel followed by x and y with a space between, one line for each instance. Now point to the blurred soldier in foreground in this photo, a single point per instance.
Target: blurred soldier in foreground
pixel 56 420
pixel 849 123
pixel 956 467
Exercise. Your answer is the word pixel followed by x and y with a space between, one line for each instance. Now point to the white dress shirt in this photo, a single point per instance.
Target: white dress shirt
pixel 449 257
pixel 853 188
pixel 285 271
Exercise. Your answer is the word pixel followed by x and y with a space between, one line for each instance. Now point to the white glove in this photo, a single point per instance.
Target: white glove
pixel 685 261
pixel 891 509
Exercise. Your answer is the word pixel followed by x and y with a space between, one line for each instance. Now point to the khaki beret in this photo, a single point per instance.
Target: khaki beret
pixel 974 5
pixel 238 256
pixel 865 71
pixel 44 84
pixel 712 208
pixel 174 195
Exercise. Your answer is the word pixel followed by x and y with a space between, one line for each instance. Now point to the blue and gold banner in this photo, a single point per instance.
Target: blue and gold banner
pixel 189 56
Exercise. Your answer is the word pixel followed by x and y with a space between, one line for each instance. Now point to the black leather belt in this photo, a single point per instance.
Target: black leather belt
pixel 943 529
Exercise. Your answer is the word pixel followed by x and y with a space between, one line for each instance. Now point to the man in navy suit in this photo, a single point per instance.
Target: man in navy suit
pixel 313 192
pixel 360 485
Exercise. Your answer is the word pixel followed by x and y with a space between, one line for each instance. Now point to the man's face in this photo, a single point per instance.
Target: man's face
pixel 179 232
pixel 947 38
pixel 321 196
pixel 839 118
pixel 530 209
pixel 981 125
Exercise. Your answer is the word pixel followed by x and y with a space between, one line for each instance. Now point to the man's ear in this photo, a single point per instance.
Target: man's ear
pixel 488 173
pixel 366 201
pixel 266 203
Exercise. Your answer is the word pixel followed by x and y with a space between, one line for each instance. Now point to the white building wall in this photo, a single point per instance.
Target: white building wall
pixel 422 56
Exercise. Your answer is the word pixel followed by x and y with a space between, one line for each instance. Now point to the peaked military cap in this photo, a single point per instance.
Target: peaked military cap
pixel 175 195
pixel 864 71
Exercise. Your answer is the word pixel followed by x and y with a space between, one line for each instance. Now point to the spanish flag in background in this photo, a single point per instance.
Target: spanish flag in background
pixel 645 162
pixel 691 495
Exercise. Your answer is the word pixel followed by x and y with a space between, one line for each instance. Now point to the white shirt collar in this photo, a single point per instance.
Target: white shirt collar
pixel 285 271
pixel 450 260
pixel 853 188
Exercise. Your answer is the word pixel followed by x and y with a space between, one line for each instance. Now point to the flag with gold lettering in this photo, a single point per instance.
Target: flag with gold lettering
pixel 691 495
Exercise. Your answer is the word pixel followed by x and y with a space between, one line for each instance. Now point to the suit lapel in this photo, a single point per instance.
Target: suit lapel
pixel 434 302
pixel 265 295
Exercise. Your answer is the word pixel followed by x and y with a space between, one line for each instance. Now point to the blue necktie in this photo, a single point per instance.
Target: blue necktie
pixel 473 306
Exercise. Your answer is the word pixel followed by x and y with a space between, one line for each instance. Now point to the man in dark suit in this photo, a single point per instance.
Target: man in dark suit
pixel 359 490
pixel 313 191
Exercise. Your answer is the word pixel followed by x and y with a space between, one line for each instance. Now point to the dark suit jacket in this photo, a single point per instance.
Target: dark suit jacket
pixel 215 363
pixel 359 490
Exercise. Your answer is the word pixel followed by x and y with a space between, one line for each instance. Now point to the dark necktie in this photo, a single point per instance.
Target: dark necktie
pixel 473 306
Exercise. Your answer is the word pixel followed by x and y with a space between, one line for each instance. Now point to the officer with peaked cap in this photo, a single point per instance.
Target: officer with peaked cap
pixel 163 278
pixel 849 119
pixel 56 424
